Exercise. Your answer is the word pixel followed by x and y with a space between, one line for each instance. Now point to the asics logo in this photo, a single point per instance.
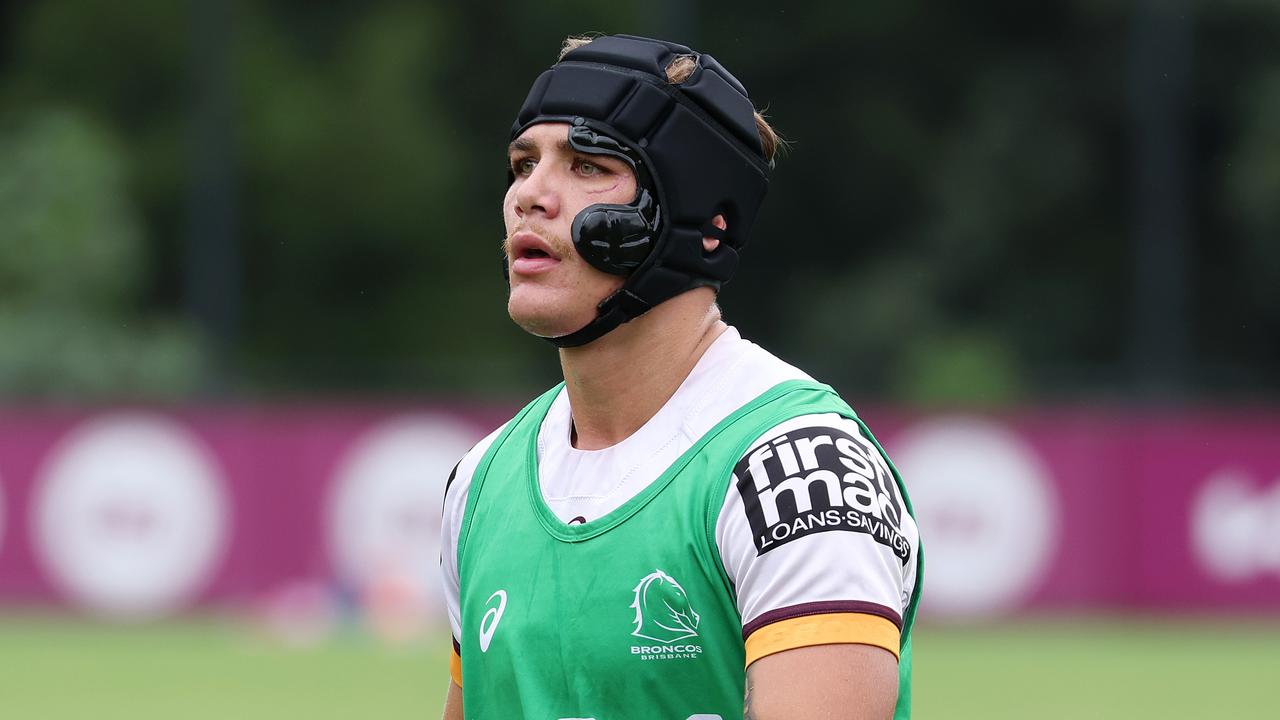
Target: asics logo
pixel 492 616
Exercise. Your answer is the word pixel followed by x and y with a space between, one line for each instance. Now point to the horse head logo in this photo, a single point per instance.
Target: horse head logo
pixel 662 608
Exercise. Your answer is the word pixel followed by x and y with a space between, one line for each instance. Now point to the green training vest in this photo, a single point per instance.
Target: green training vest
pixel 629 616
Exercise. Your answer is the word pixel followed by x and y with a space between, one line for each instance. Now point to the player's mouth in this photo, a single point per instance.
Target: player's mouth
pixel 530 254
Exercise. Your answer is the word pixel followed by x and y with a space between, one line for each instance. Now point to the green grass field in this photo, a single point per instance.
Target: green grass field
pixel 217 669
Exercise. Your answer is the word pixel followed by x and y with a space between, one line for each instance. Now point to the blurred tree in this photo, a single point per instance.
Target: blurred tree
pixel 1251 178
pixel 1253 182
pixel 954 222
pixel 70 260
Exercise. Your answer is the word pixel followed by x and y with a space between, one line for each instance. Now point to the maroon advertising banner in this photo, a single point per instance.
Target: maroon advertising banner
pixel 145 511
pixel 1085 510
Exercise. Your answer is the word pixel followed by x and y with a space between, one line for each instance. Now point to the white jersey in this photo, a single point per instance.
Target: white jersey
pixel 860 580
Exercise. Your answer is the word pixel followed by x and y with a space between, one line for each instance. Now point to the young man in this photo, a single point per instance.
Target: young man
pixel 685 505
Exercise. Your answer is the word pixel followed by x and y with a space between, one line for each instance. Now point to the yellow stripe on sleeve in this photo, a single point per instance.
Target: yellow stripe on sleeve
pixel 455 667
pixel 825 629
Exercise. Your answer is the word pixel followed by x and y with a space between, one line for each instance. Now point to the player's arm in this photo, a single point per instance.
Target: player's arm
pixel 452 518
pixel 455 502
pixel 844 682
pixel 822 555
pixel 453 702
pixel 448 567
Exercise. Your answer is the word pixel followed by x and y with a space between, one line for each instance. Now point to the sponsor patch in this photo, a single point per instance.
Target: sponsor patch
pixel 820 479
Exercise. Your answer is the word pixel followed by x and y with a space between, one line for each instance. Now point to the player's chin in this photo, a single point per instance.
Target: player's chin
pixel 537 312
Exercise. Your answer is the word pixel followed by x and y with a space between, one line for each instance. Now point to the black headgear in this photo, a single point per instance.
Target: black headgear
pixel 696 154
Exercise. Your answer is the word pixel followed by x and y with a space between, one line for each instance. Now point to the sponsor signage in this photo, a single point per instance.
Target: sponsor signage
pixel 384 501
pixel 990 511
pixel 818 480
pixel 1 516
pixel 129 516
pixel 148 512
pixel 1079 510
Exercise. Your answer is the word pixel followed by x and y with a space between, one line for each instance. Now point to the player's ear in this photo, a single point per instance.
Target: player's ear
pixel 709 243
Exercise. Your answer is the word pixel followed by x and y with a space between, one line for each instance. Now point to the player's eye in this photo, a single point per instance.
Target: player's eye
pixel 522 166
pixel 589 169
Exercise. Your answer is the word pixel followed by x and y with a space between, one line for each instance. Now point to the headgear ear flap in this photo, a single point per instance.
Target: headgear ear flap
pixel 615 238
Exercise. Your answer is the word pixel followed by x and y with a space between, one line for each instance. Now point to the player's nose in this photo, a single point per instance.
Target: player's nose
pixel 537 193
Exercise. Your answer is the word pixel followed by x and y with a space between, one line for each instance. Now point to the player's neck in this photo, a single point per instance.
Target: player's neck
pixel 617 383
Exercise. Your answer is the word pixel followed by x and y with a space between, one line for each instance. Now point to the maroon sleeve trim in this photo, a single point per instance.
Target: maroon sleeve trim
pixel 824 607
pixel 456 647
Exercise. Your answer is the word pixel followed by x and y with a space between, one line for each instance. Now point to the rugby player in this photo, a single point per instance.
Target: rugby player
pixel 687 527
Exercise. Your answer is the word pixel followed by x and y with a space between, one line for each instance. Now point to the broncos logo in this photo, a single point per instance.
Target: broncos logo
pixel 662 609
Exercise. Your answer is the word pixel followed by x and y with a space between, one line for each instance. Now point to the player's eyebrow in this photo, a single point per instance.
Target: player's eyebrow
pixel 524 144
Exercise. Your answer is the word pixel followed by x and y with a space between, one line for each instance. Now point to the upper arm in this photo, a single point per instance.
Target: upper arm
pixel 849 682
pixel 816 539
pixel 455 501
pixel 457 490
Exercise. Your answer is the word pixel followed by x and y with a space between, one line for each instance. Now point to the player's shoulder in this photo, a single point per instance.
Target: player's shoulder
pixel 833 424
pixel 459 481
pixel 810 442
pixel 758 366
pixel 818 473
pixel 734 372
pixel 813 516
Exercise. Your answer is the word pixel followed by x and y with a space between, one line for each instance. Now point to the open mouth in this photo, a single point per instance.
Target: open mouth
pixel 529 246
pixel 531 254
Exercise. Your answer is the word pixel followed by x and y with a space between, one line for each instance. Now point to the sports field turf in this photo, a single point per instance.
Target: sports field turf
pixel 217 669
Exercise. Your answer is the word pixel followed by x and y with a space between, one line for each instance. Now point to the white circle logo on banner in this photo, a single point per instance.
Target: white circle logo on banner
pixel 130 518
pixel 1235 527
pixel 986 509
pixel 384 514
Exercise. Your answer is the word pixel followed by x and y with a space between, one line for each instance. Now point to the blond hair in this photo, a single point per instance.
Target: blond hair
pixel 679 70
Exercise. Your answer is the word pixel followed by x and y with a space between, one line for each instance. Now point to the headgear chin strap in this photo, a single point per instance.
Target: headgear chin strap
pixel 696 154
